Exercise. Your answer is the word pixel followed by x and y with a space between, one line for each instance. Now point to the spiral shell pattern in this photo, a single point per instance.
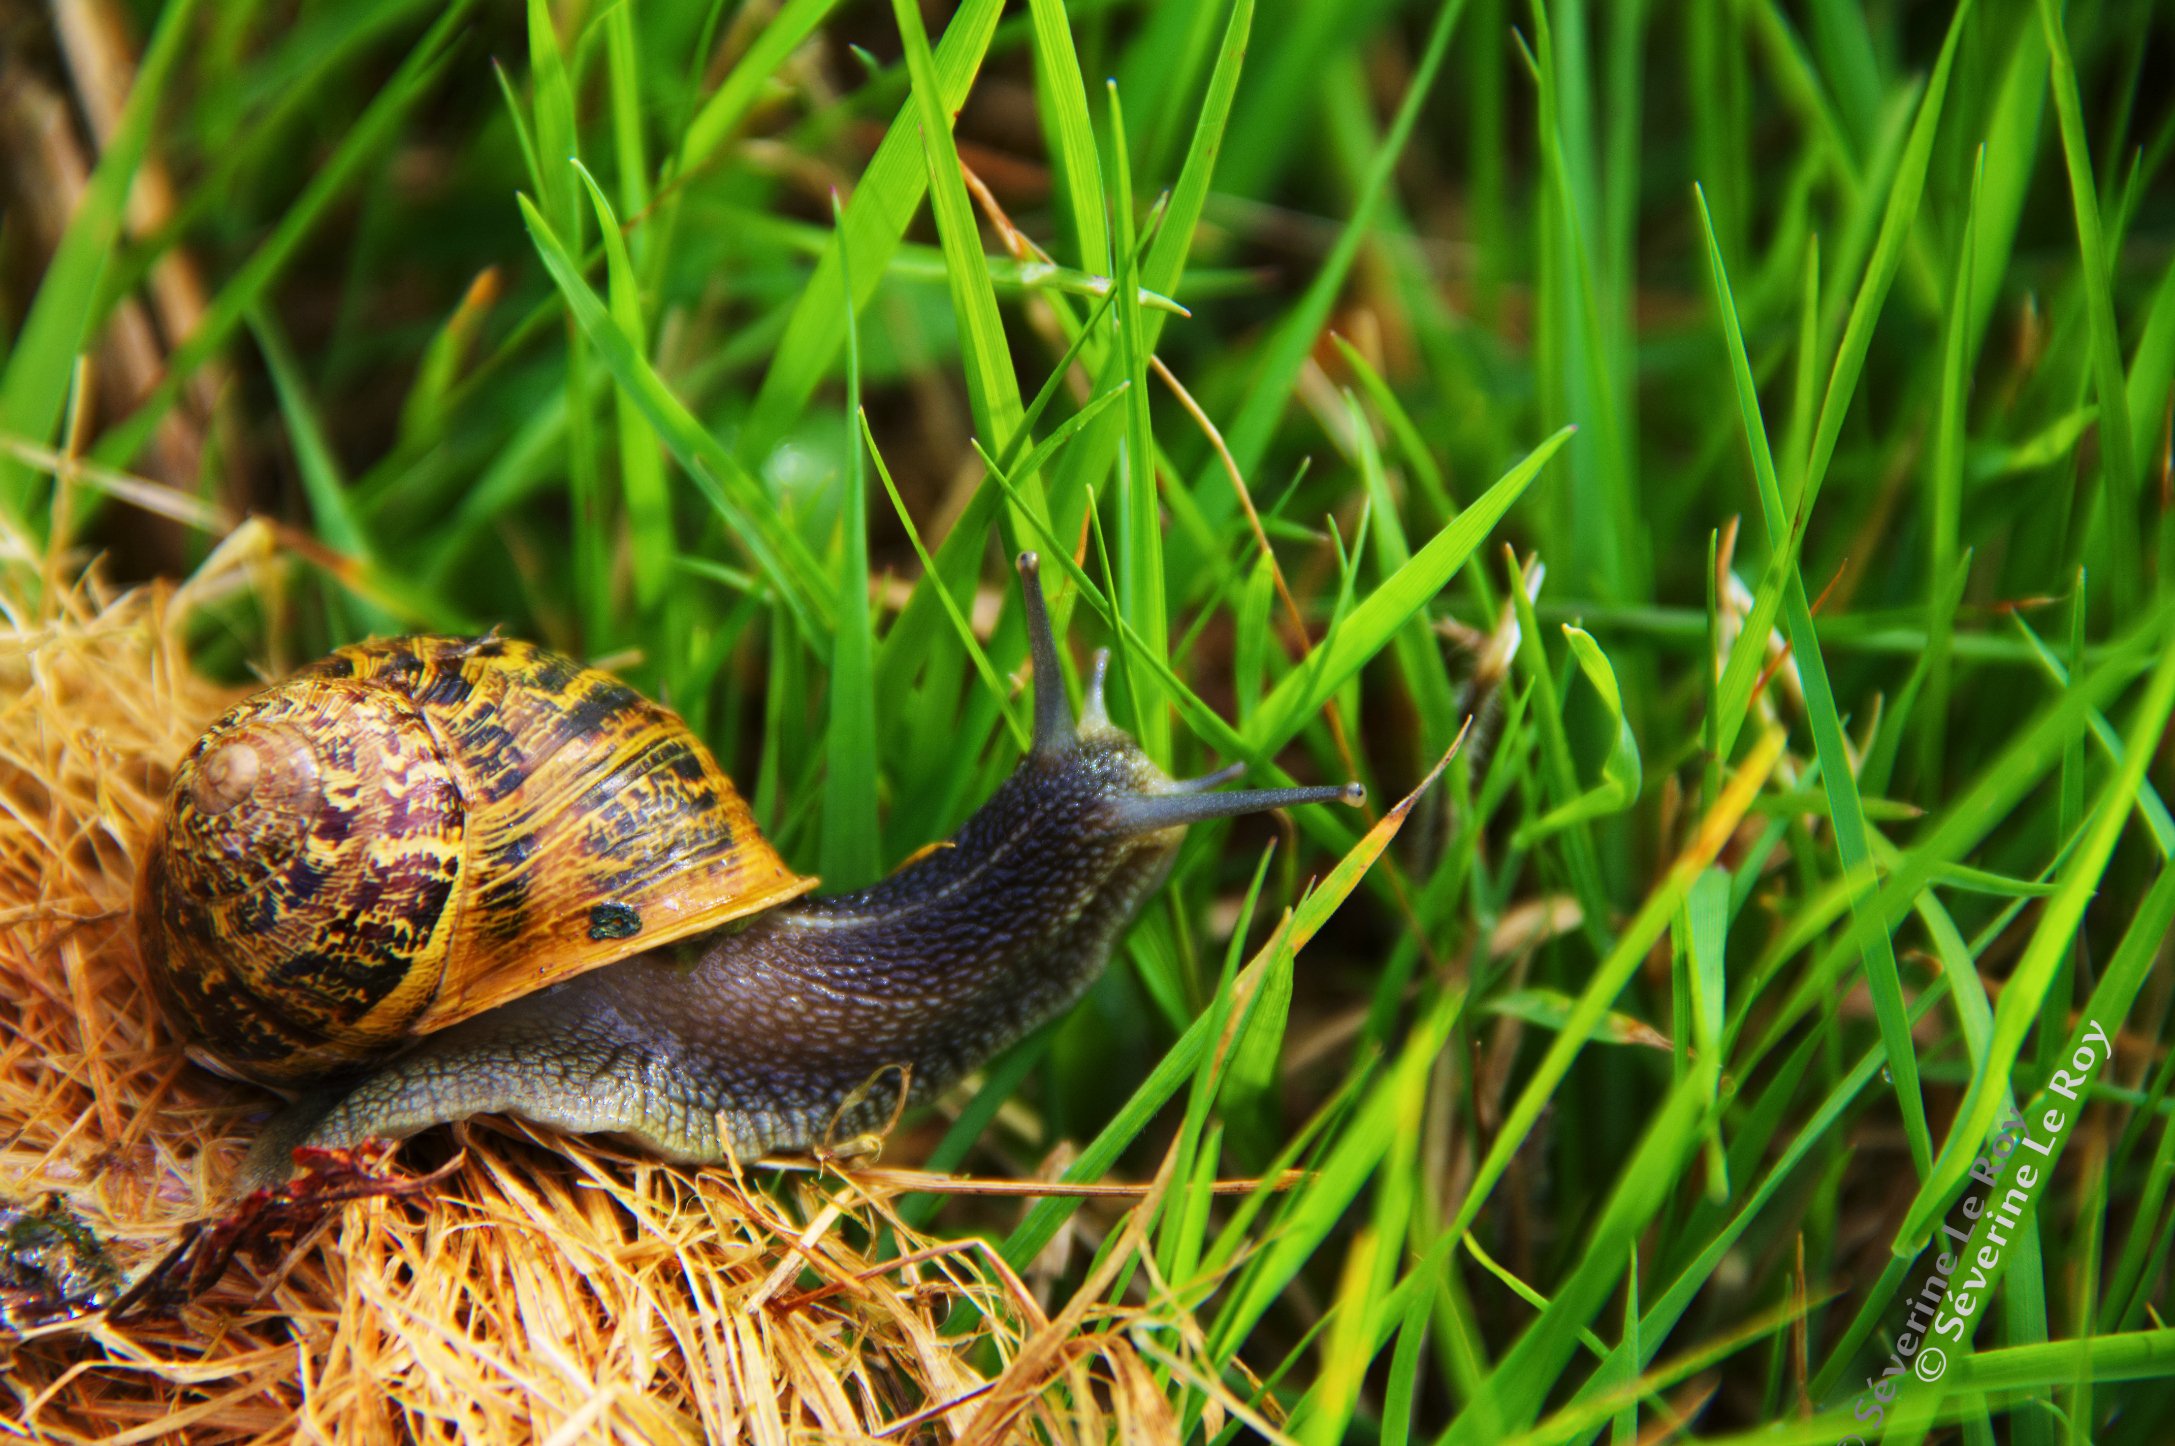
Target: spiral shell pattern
pixel 412 831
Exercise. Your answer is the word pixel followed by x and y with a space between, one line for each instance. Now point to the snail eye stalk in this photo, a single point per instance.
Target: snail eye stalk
pixel 1094 715
pixel 1185 802
pixel 1207 781
pixel 1153 812
pixel 1054 730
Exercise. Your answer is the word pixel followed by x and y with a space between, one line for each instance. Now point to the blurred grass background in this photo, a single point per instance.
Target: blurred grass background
pixel 1821 356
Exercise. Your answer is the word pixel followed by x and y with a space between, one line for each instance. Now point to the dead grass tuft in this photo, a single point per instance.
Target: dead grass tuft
pixel 556 1294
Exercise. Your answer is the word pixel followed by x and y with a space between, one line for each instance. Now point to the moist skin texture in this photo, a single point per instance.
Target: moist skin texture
pixel 769 1033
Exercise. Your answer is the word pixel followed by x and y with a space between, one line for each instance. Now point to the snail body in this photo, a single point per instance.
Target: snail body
pixel 617 949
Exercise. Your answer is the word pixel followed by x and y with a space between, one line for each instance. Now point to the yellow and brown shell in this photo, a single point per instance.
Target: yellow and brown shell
pixel 412 831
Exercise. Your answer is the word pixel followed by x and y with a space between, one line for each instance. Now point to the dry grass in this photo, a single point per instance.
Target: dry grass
pixel 554 1294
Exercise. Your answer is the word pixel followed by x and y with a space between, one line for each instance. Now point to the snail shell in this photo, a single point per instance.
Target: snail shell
pixel 415 830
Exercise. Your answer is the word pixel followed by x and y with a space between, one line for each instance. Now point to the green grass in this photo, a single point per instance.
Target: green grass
pixel 758 393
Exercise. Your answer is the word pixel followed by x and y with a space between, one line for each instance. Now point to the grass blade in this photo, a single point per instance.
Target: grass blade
pixel 34 384
pixel 748 512
pixel 1368 628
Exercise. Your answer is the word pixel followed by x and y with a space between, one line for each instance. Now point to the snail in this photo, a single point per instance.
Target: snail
pixel 427 878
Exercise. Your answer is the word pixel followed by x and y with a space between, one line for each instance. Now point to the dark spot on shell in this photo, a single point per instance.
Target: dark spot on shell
pixel 337 750
pixel 304 882
pixel 334 822
pixel 320 984
pixel 614 921
pixel 551 672
pixel 498 763
pixel 502 903
pixel 591 712
pixel 258 911
pixel 401 668
pixel 448 689
pixel 308 965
